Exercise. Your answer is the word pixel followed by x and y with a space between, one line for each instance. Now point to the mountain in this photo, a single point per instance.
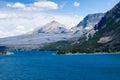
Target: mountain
pixel 46 34
pixel 41 36
pixel 87 23
pixel 52 27
pixel 51 32
pixel 90 20
pixel 106 38
pixel 108 35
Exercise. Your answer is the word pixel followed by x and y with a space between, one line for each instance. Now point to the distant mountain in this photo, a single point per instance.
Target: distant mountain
pixel 41 36
pixel 87 23
pixel 52 27
pixel 106 38
pixel 49 33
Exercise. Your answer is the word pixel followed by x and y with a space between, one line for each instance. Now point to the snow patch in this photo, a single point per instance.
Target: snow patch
pixel 104 39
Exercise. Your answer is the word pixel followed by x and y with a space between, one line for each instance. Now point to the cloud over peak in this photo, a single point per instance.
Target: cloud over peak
pixel 16 5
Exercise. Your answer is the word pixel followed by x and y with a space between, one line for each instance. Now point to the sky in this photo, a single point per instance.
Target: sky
pixel 22 16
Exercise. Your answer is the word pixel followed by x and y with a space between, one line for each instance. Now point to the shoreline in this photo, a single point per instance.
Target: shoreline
pixel 99 53
pixel 5 53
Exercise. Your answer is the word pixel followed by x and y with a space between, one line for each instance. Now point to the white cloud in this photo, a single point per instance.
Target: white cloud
pixel 16 5
pixel 4 15
pixel 76 4
pixel 46 5
pixel 3 34
pixel 38 6
pixel 17 31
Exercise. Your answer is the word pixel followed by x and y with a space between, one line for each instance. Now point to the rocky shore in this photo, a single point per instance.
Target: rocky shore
pixel 5 53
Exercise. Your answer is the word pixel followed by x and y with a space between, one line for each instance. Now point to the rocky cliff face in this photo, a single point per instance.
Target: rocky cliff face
pixel 87 24
pixel 90 20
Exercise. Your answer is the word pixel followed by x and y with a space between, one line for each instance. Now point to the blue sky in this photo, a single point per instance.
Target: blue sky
pixel 21 16
pixel 86 6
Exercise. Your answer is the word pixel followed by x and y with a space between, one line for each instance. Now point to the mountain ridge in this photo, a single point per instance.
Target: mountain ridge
pixel 41 36
pixel 87 23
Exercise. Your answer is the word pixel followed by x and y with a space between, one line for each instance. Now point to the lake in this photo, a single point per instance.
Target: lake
pixel 45 65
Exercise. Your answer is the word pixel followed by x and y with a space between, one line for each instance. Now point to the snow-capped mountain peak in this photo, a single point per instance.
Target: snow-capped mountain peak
pixel 52 27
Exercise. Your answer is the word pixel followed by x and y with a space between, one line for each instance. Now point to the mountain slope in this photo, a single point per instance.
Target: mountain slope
pixel 90 20
pixel 108 36
pixel 106 39
pixel 87 23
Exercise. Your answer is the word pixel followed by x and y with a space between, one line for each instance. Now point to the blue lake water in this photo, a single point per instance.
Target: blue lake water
pixel 38 65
